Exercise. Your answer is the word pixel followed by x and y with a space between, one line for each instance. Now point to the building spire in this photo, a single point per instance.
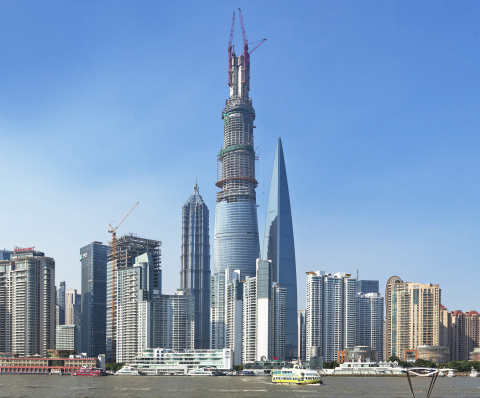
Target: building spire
pixel 195 187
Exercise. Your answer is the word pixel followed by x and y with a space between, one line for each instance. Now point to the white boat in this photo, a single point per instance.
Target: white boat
pixel 473 372
pixel 296 375
pixel 451 373
pixel 127 371
pixel 202 372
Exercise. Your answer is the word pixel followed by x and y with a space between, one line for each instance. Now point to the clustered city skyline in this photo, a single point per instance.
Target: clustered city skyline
pixel 246 301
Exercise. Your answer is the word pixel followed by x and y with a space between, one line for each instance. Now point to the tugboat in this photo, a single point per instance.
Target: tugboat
pixel 296 375
pixel 88 371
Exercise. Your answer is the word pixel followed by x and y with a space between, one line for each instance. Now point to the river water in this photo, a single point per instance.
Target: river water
pixel 228 387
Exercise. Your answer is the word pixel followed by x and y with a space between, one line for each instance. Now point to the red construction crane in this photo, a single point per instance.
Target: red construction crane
pixel 230 51
pixel 245 41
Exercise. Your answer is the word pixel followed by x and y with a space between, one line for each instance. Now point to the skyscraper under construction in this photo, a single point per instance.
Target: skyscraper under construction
pixel 236 226
pixel 236 244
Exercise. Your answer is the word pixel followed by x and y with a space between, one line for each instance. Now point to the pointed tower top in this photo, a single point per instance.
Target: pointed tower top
pixel 195 187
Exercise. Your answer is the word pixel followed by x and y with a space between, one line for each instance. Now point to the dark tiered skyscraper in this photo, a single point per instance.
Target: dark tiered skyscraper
pixel 279 247
pixel 195 272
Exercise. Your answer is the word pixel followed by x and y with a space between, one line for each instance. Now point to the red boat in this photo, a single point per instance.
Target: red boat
pixel 89 371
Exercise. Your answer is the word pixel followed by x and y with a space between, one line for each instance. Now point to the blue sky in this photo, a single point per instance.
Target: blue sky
pixel 103 104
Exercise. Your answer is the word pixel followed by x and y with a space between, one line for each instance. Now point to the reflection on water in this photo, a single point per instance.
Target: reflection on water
pixel 228 387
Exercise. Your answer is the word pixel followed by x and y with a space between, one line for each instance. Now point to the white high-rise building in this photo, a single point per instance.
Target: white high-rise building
pixel 134 308
pixel 234 313
pixel 370 320
pixel 27 303
pixel 264 312
pixel 174 321
pixel 330 314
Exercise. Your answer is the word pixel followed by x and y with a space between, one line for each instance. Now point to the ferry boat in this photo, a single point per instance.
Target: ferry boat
pixel 296 375
pixel 473 373
pixel 202 372
pixel 127 371
pixel 451 374
pixel 89 371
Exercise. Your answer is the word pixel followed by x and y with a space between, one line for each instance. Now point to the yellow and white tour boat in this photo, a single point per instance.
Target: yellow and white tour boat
pixel 296 375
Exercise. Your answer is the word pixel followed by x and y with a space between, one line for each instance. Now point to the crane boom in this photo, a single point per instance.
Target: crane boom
pixel 258 45
pixel 230 51
pixel 245 41
pixel 123 219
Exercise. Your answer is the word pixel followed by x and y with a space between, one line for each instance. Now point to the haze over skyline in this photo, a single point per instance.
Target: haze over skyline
pixel 105 104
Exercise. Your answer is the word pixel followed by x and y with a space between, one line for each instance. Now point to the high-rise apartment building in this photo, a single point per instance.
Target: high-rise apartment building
pixel 128 248
pixel 236 227
pixel 61 303
pixel 195 271
pixel 27 303
pixel 93 258
pixel 330 314
pixel 413 316
pixel 174 321
pixel 234 313
pixel 279 246
pixel 370 308
pixel 462 331
pixel 217 311
pixel 264 314
pixel 134 308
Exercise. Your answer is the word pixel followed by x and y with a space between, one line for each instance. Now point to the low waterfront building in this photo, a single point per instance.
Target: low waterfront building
pixel 162 361
pixel 357 354
pixel 475 354
pixel 64 360
pixel 367 368
pixel 434 353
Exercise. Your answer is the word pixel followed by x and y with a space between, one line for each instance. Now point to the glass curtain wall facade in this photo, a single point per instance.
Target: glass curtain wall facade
pixel 93 258
pixel 195 271
pixel 279 246
pixel 61 303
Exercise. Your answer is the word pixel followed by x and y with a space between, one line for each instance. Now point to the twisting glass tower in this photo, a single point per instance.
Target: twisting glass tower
pixel 236 227
pixel 195 271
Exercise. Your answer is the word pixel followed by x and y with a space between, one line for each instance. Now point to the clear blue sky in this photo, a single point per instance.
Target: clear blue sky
pixel 377 103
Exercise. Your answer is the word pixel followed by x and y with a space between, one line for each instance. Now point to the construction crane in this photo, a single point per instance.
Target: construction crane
pixel 113 231
pixel 258 45
pixel 230 51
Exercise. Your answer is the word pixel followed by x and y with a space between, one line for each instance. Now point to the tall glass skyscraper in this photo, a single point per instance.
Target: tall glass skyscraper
pixel 61 303
pixel 195 271
pixel 236 226
pixel 94 286
pixel 279 246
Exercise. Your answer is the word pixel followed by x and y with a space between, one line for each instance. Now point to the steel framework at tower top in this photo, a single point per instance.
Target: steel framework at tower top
pixel 236 159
